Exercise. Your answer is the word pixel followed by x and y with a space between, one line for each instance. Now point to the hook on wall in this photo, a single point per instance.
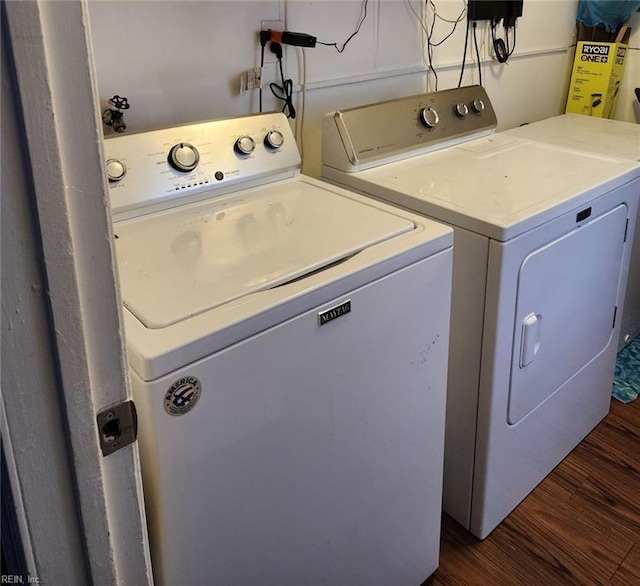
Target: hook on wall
pixel 114 116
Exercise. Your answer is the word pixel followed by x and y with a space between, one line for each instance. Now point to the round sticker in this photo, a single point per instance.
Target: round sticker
pixel 182 395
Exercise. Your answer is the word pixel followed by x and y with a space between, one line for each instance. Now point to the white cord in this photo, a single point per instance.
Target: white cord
pixel 423 19
pixel 460 17
pixel 302 95
pixel 426 58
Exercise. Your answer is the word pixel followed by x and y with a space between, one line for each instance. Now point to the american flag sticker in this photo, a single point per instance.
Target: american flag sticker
pixel 182 395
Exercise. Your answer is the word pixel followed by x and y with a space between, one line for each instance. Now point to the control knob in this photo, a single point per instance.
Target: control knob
pixel 429 117
pixel 116 170
pixel 245 145
pixel 461 110
pixel 477 106
pixel 274 139
pixel 183 157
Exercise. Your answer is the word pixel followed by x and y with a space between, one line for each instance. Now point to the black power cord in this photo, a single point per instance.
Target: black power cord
pixel 430 48
pixel 475 42
pixel 353 34
pixel 464 54
pixel 430 43
pixel 501 46
pixel 275 39
pixel 512 25
pixel 264 39
pixel 283 92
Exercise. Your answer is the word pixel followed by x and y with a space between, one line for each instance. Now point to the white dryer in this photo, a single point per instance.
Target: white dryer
pixel 288 346
pixel 607 137
pixel 541 254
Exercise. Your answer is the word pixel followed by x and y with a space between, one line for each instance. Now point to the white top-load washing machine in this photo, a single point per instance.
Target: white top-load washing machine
pixel 607 137
pixel 542 240
pixel 288 346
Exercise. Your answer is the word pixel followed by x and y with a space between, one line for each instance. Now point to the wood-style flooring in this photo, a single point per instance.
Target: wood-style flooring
pixel 580 526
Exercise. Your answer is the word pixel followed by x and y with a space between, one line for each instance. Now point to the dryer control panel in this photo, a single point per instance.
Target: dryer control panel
pixel 158 169
pixel 366 136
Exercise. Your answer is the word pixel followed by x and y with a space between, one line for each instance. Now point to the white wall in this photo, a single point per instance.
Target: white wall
pixel 628 108
pixel 180 62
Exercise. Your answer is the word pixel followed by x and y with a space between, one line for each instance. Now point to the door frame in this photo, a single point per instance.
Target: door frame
pixel 54 83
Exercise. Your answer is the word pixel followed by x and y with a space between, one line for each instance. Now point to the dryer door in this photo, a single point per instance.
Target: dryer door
pixel 567 292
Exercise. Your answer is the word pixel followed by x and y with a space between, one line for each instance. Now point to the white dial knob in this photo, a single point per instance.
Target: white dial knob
pixel 477 106
pixel 116 170
pixel 461 110
pixel 429 117
pixel 274 139
pixel 184 157
pixel 245 145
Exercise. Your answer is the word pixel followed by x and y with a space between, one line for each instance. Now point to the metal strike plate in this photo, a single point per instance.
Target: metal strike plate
pixel 117 427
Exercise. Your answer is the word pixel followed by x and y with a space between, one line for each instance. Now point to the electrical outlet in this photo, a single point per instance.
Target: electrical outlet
pixel 276 25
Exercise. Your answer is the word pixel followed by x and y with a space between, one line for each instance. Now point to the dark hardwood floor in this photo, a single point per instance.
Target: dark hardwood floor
pixel 580 526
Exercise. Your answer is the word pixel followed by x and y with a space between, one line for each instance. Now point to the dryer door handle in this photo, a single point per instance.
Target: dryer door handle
pixel 530 344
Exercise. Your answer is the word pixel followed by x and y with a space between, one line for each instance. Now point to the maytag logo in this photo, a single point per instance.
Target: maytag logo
pixel 328 315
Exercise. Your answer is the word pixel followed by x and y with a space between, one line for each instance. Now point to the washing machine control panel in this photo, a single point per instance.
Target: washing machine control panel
pixel 365 136
pixel 158 169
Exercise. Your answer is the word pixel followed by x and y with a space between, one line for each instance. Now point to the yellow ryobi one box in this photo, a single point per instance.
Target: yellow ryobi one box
pixel 596 78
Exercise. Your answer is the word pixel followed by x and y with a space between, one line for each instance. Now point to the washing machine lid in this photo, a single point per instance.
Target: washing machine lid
pixel 499 186
pixel 179 263
pixel 595 135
